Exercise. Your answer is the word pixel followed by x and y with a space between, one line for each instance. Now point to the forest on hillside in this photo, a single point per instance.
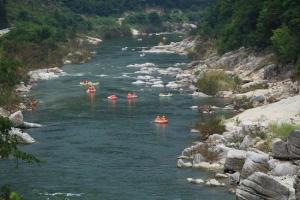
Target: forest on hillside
pixel 262 24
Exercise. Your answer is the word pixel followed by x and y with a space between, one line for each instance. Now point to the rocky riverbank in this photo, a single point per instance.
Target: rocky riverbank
pixel 247 158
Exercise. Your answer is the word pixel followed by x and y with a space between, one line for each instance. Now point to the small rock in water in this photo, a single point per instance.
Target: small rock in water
pixel 194 131
pixel 219 175
pixel 138 82
pixel 183 164
pixel 194 107
pixel 195 181
pixel 214 182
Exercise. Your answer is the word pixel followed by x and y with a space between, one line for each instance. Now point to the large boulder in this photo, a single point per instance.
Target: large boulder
pixel 234 179
pixel 184 162
pixel 255 162
pixel 247 142
pixel 282 168
pixel 280 150
pixel 198 158
pixel 289 150
pixel 297 186
pixel 16 119
pixel 293 144
pixel 235 160
pixel 260 186
pixel 21 137
pixel 190 151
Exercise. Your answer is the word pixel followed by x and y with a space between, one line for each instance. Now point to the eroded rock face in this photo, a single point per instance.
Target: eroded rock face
pixel 255 162
pixel 16 119
pixel 289 150
pixel 21 137
pixel 260 186
pixel 235 160
pixel 283 168
pixel 293 144
pixel 297 186
pixel 234 179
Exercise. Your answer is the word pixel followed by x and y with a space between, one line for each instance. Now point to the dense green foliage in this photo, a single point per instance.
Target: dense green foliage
pixel 6 193
pixel 273 24
pixel 3 19
pixel 209 126
pixel 282 130
pixel 8 149
pixel 117 7
pixel 8 144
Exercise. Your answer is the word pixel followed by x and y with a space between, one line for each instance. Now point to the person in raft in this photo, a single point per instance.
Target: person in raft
pixel 161 118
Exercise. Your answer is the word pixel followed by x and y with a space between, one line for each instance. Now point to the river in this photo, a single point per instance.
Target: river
pixel 94 149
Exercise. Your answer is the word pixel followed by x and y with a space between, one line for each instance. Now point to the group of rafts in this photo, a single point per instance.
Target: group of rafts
pixel 91 89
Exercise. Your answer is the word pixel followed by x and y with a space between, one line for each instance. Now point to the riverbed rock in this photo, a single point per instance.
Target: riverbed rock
pixel 22 137
pixel 284 169
pixel 192 149
pixel 26 125
pixel 279 149
pixel 216 139
pixel 297 186
pixel 255 162
pixel 247 142
pixel 293 144
pixel 195 180
pixel 22 88
pixel 209 165
pixel 214 182
pixel 221 176
pixel 16 119
pixel 198 158
pixel 235 160
pixel 234 179
pixel 260 186
pixel 184 163
pixel 287 150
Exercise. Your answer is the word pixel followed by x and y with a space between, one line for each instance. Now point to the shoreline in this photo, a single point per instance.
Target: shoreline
pixel 239 156
pixel 22 90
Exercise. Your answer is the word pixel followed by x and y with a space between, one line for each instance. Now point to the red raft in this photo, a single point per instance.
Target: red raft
pixel 91 90
pixel 112 97
pixel 161 120
pixel 131 96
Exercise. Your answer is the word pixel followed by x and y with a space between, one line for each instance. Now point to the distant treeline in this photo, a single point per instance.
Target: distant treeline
pixel 264 24
pixel 116 7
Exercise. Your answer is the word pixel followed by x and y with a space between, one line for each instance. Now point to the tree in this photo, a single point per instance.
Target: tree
pixel 154 18
pixel 283 43
pixel 9 148
pixel 8 144
pixel 3 19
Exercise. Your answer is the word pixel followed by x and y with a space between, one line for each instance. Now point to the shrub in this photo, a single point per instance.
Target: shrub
pixel 11 72
pixel 242 103
pixel 282 130
pixel 8 98
pixel 210 126
pixel 6 193
pixel 212 82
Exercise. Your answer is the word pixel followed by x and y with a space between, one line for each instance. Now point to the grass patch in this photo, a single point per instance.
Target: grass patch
pixel 212 82
pixel 283 130
pixel 210 126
